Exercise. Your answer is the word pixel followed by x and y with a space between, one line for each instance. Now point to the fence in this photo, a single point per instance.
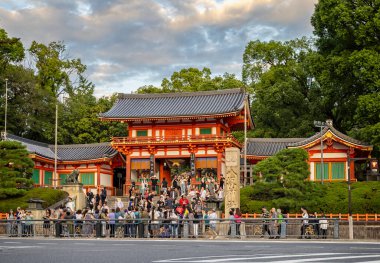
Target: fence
pixel 342 217
pixel 168 228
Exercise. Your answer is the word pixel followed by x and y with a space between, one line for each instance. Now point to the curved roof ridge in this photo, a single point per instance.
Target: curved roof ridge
pixel 29 141
pixel 337 133
pixel 62 146
pixel 179 94
pixel 275 139
pixel 180 105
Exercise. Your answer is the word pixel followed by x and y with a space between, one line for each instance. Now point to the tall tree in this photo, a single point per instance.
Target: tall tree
pixel 347 64
pixel 285 98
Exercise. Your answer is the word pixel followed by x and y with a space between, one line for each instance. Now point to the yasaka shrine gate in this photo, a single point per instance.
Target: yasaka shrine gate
pixel 178 133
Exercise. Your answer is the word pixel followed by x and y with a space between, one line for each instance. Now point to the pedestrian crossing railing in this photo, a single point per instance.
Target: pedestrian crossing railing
pixel 171 228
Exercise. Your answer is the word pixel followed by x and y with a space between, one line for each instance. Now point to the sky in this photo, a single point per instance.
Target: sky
pixel 126 44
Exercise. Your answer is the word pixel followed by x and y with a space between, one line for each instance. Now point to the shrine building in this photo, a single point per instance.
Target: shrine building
pixel 176 133
pixel 337 148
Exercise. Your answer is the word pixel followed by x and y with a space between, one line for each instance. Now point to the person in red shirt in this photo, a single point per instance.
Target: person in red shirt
pixel 183 201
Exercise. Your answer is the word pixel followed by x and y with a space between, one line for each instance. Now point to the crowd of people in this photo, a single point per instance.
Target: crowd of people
pixel 148 214
pixel 274 220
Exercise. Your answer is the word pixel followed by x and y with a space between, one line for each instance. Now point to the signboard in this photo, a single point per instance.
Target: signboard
pixel 192 164
pixel 151 165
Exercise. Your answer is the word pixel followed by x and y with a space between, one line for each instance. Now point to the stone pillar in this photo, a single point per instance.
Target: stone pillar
pixel 232 180
pixel 75 191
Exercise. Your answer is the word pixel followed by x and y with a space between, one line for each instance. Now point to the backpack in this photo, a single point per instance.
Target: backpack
pixel 128 216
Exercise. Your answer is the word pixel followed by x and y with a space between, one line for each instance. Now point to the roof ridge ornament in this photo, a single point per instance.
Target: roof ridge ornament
pixel 329 122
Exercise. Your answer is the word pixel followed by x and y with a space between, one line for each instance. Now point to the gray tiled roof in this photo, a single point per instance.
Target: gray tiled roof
pixel 268 146
pixel 334 131
pixel 177 104
pixel 71 152
pixel 39 148
pixel 91 151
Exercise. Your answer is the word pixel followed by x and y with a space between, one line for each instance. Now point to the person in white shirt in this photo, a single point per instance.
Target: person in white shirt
pixel 305 222
pixel 323 225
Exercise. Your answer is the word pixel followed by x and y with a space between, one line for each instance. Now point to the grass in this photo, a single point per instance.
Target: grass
pixel 50 196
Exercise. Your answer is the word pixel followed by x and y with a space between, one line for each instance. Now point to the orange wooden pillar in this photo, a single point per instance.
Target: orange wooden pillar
pixel 219 164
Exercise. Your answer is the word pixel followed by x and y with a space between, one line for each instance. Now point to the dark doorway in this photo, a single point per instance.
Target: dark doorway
pixel 119 180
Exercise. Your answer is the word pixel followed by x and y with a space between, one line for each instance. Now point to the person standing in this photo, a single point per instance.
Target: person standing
pixel 265 216
pixel 103 195
pixel 273 223
pixel 305 222
pixel 237 217
pixel 164 186
pixel 323 225
pixel 112 222
pixel 280 221
pixel 154 181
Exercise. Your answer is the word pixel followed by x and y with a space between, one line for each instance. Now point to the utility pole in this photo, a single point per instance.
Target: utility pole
pixel 6 109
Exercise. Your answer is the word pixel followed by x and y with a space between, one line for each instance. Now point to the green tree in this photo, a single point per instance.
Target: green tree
pixel 80 122
pixel 15 169
pixel 285 98
pixel 193 79
pixel 347 64
pixel 288 167
pixel 367 119
pixel 281 181
pixel 11 49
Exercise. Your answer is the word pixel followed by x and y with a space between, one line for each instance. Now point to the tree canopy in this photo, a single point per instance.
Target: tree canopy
pixel 347 64
pixel 194 79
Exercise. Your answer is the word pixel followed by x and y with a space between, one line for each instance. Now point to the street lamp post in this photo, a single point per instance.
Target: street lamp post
pixel 6 109
pixel 321 125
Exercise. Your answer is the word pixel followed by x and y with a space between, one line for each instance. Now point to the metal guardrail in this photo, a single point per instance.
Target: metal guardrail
pixel 169 228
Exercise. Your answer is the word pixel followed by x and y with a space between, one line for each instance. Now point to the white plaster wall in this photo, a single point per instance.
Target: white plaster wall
pixel 160 153
pixel 189 132
pixel 145 154
pixel 157 133
pixel 135 154
pixel 105 179
pixel 149 132
pixel 312 174
pixel 196 131
pixel 133 133
pixel 173 153
pixel 213 130
pixel 329 155
pixel 211 151
pixel 201 152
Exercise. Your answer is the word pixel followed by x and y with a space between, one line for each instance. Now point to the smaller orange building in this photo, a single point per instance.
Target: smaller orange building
pixel 96 163
pixel 336 149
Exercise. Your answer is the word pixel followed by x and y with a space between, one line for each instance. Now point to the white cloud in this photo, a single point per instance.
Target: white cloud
pixel 127 44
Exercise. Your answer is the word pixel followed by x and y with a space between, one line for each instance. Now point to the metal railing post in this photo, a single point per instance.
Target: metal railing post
pixel 186 229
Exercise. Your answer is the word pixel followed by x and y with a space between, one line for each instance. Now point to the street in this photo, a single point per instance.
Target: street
pixel 139 251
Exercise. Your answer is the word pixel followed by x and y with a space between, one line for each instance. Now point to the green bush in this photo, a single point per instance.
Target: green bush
pixel 50 196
